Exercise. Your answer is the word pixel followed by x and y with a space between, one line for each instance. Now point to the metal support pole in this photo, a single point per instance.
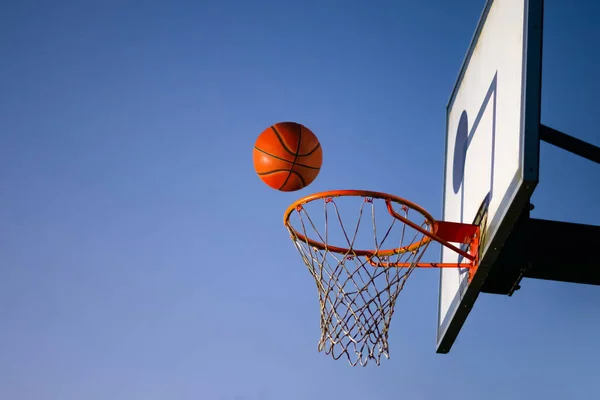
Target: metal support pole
pixel 570 143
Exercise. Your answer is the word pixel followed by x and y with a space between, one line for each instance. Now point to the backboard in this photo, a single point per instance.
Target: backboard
pixel 492 145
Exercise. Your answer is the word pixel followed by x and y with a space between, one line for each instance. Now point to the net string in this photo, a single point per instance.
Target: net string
pixel 356 299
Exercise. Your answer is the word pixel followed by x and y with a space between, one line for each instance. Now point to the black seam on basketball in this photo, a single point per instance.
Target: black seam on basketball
pixel 299 177
pixel 284 170
pixel 273 171
pixel 282 142
pixel 283 159
pixel 272 155
pixel 295 158
pixel 306 166
pixel 312 151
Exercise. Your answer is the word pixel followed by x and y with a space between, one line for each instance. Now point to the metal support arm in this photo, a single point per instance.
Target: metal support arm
pixel 570 143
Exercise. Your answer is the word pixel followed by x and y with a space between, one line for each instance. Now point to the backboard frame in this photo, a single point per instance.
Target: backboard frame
pixel 527 176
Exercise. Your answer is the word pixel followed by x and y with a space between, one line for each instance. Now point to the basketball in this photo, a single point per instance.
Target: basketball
pixel 287 156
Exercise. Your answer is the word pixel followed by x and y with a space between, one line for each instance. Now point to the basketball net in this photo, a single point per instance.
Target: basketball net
pixel 357 288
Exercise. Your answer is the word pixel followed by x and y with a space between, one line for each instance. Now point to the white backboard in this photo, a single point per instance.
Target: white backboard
pixel 492 144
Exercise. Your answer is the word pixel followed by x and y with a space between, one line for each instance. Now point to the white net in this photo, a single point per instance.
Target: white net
pixel 357 288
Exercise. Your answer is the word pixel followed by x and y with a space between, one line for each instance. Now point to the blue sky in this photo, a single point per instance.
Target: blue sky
pixel 141 257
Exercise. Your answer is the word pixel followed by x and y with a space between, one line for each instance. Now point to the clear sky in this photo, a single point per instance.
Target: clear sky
pixel 141 257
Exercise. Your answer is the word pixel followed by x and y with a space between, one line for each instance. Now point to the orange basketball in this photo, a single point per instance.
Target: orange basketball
pixel 287 156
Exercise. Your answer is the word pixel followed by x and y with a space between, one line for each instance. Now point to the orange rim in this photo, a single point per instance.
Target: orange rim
pixel 297 206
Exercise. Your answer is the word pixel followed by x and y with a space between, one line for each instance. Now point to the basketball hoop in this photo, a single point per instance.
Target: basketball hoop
pixel 360 271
